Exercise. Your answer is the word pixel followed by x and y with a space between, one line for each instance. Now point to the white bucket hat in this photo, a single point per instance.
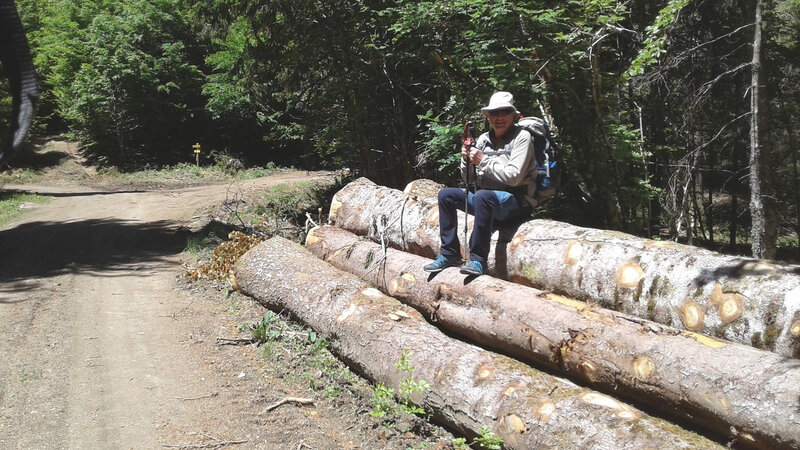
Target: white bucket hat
pixel 500 100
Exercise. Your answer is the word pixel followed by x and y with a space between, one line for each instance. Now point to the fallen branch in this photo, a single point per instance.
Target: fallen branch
pixel 214 394
pixel 236 341
pixel 209 445
pixel 299 401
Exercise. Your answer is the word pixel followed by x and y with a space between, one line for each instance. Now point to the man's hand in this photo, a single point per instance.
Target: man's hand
pixel 474 154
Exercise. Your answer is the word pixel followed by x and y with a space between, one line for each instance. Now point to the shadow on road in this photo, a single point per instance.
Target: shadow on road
pixel 6 193
pixel 110 247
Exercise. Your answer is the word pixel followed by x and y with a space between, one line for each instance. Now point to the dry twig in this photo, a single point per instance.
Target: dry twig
pixel 213 394
pixel 300 401
pixel 217 444
pixel 236 341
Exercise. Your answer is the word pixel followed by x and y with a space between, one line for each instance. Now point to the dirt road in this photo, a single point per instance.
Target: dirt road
pixel 99 347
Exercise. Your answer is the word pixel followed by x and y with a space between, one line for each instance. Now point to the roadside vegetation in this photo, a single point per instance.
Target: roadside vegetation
pixel 19 176
pixel 49 161
pixel 183 174
pixel 13 205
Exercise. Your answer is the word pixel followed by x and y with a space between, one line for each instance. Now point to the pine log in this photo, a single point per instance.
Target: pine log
pixel 469 387
pixel 743 300
pixel 733 390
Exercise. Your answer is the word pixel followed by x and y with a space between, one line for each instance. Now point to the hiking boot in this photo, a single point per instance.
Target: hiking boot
pixel 442 262
pixel 474 268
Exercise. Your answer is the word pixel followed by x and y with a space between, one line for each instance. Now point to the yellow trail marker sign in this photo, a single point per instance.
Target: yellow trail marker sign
pixel 196 148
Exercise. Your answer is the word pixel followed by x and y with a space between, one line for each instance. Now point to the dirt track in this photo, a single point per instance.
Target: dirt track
pixel 100 348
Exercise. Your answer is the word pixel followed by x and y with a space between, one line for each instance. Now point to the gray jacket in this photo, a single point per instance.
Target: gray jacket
pixel 509 165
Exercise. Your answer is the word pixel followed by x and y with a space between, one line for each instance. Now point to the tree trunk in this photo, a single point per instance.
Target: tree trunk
pixel 764 227
pixel 742 300
pixel 469 387
pixel 733 229
pixel 709 208
pixel 609 351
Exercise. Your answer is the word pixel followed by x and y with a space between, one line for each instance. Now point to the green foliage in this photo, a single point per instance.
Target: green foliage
pixel 383 396
pixel 383 402
pixel 460 444
pixel 409 386
pixel 441 143
pixel 124 75
pixel 488 440
pixel 269 328
pixel 656 40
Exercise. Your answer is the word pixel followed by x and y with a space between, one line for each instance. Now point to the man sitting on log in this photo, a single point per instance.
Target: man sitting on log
pixel 502 163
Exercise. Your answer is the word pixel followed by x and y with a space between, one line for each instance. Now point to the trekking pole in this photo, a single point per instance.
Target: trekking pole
pixel 467 137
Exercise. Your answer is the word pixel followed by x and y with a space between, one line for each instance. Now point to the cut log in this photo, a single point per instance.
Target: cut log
pixel 718 385
pixel 743 300
pixel 469 387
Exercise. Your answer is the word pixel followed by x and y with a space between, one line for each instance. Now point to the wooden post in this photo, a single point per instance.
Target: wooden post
pixel 196 148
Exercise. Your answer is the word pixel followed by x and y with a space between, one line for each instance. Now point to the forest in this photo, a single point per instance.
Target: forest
pixel 676 119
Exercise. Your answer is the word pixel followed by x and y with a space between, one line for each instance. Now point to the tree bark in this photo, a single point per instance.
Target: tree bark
pixel 764 227
pixel 743 300
pixel 610 351
pixel 469 387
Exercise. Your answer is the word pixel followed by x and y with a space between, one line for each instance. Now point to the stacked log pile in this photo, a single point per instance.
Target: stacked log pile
pixel 739 299
pixel 734 390
pixel 469 387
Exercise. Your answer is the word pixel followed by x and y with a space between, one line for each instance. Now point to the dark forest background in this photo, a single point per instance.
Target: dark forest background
pixel 677 119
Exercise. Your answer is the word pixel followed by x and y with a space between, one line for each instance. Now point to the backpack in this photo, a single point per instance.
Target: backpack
pixel 546 152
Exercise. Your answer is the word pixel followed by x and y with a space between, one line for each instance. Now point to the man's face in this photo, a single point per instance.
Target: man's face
pixel 501 120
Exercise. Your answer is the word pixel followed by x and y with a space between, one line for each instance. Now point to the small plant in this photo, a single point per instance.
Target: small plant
pixel 410 386
pixel 488 440
pixel 383 396
pixel 383 403
pixel 308 352
pixel 264 331
pixel 317 343
pixel 460 444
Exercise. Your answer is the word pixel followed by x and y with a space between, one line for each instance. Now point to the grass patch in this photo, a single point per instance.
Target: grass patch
pixel 20 176
pixel 183 174
pixel 306 356
pixel 13 205
pixel 201 245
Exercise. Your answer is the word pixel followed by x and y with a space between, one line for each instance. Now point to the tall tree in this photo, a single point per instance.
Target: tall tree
pixel 764 227
pixel 126 76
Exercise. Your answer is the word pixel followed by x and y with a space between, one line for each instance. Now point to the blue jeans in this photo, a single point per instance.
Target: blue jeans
pixel 487 206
